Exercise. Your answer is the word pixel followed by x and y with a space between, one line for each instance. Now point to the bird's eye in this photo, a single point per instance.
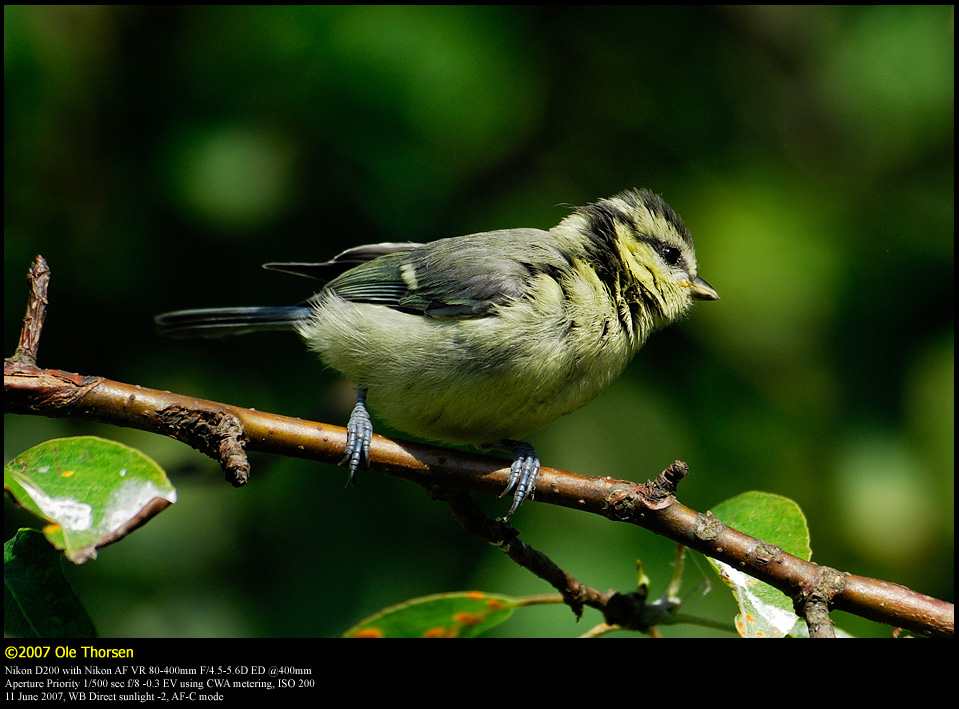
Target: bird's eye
pixel 671 255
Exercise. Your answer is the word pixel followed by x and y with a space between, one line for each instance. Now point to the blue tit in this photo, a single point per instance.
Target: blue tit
pixel 486 338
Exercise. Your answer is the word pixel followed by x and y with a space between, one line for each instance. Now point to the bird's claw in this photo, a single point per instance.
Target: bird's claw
pixel 522 475
pixel 359 433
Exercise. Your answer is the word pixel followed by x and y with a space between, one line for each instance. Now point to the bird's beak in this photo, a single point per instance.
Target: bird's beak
pixel 702 290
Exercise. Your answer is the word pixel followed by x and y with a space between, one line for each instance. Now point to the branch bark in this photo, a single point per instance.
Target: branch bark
pixel 226 432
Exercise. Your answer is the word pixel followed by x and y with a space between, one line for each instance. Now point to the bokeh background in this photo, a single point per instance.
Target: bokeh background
pixel 156 156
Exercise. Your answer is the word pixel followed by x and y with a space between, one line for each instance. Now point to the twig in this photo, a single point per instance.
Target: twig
pixel 505 538
pixel 38 280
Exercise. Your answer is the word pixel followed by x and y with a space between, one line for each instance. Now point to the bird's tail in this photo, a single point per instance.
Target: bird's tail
pixel 223 322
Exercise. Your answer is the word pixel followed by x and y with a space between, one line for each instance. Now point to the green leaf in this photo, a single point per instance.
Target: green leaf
pixel 445 615
pixel 92 491
pixel 37 600
pixel 764 611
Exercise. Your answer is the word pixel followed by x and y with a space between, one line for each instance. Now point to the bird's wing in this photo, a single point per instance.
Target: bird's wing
pixel 461 277
pixel 328 270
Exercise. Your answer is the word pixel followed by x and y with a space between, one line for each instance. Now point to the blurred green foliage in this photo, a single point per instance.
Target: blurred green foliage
pixel 156 156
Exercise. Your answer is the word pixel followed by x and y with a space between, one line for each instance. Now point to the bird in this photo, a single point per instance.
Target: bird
pixel 485 338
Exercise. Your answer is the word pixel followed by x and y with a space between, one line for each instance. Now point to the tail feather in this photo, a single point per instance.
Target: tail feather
pixel 224 322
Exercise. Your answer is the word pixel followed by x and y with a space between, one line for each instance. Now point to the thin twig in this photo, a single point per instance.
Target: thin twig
pixel 38 280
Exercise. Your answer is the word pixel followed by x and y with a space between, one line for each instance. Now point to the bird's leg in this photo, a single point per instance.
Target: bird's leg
pixel 359 432
pixel 522 474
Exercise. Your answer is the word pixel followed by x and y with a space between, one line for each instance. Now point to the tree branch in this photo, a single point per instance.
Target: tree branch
pixel 226 432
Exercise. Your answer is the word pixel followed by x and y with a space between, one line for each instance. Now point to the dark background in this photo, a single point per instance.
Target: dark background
pixel 157 156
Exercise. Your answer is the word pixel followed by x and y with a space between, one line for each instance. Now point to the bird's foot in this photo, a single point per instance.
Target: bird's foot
pixel 359 433
pixel 522 474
